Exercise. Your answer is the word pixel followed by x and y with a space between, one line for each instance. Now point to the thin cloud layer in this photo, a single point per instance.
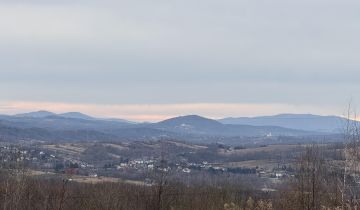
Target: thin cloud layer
pixel 303 53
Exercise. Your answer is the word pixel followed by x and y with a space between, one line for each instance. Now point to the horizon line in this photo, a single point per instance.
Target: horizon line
pixel 159 112
pixel 170 117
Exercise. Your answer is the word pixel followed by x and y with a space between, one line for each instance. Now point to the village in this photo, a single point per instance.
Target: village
pixel 140 169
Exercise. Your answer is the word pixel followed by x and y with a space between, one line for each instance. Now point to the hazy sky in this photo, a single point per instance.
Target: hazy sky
pixel 147 60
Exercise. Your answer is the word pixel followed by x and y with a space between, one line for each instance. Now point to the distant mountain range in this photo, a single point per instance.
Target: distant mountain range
pixel 193 124
pixel 44 125
pixel 306 122
pixel 38 114
pixel 74 115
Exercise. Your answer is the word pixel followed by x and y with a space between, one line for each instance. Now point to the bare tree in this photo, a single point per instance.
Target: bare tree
pixel 351 178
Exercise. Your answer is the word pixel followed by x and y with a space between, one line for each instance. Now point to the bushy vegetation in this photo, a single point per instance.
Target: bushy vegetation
pixel 23 192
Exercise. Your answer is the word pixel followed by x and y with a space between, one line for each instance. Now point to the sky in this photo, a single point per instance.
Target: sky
pixel 150 60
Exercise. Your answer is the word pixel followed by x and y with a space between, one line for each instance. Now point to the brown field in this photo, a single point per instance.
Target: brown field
pixel 67 148
pixel 270 148
pixel 265 164
pixel 117 146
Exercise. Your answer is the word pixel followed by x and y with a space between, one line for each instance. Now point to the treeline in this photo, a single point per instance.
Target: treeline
pixel 23 192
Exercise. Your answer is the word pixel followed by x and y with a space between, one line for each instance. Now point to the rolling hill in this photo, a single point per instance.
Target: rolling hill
pixel 193 124
pixel 307 122
pixel 75 126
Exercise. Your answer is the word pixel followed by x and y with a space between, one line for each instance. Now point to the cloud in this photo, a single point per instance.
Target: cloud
pixel 180 52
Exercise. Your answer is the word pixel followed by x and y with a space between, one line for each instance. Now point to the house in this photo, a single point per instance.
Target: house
pixel 279 175
pixel 186 170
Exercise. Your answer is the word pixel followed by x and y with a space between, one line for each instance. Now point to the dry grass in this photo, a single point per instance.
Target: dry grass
pixel 193 146
pixel 265 164
pixel 72 149
pixel 270 148
pixel 116 146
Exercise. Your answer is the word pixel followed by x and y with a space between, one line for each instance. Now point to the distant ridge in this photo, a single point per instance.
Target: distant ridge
pixel 194 124
pixel 72 115
pixel 76 115
pixel 190 120
pixel 307 122
pixel 43 125
pixel 38 114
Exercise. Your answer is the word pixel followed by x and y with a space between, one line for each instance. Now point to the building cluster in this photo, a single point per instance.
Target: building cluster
pixel 49 161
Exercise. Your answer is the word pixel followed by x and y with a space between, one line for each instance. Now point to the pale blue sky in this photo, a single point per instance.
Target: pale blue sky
pixel 282 53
